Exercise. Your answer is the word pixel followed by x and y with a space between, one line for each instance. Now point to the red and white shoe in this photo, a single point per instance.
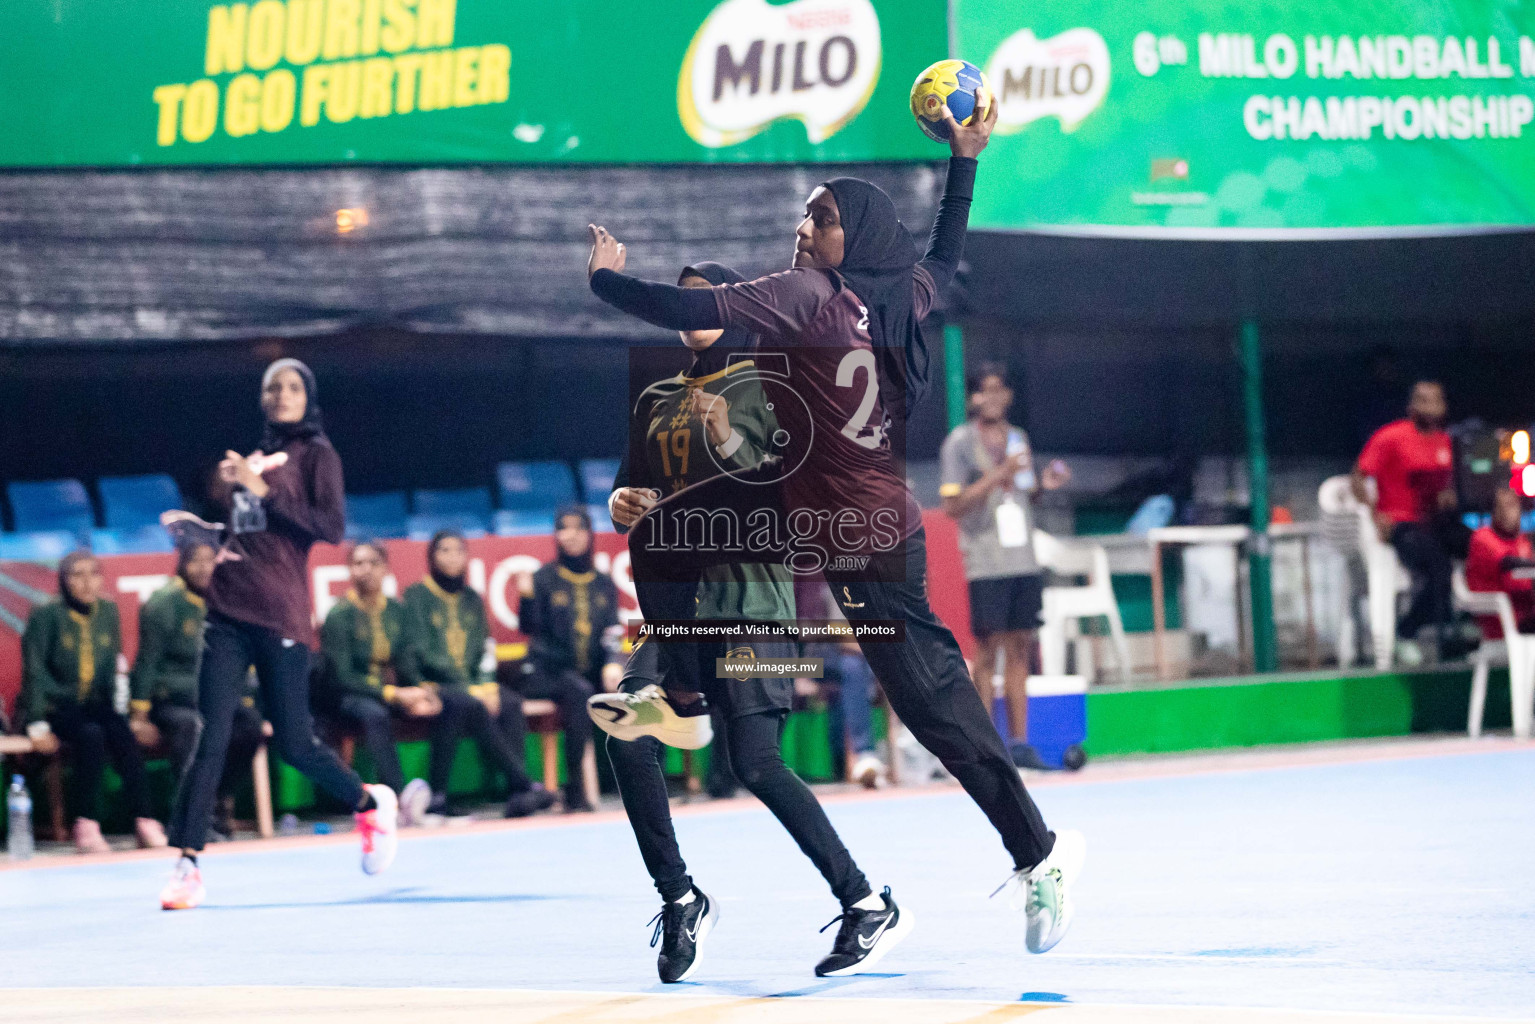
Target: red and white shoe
pixel 185 889
pixel 379 830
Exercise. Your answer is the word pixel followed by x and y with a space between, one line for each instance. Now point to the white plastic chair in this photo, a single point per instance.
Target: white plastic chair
pixel 1383 572
pixel 1063 606
pixel 1516 650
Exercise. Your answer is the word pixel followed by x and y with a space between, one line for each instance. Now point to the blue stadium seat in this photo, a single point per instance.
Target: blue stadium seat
pixel 41 546
pixel 129 502
pixel 602 522
pixel 597 478
pixel 375 516
pixel 535 485
pixel 471 501
pixel 145 540
pixel 422 525
pixel 524 522
pixel 51 505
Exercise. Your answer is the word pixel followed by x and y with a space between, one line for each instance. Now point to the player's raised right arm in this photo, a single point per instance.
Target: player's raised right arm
pixel 665 305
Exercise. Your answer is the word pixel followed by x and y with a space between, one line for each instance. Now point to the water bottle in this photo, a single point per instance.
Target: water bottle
pixel 18 836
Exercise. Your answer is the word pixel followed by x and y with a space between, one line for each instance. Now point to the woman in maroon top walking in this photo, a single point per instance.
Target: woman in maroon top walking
pixel 281 499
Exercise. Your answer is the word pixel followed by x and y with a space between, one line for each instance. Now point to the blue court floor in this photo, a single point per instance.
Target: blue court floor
pixel 1402 884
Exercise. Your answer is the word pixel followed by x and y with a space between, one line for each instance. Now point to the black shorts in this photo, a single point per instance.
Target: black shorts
pixel 734 697
pixel 1006 604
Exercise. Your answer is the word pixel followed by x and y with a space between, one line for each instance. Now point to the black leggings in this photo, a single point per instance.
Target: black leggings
pixel 924 676
pixel 282 669
pixel 568 690
pixel 754 754
pixel 93 732
pixel 462 715
pixel 180 726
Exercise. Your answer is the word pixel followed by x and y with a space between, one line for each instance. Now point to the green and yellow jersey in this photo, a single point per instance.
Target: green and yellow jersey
pixel 170 644
pixel 677 453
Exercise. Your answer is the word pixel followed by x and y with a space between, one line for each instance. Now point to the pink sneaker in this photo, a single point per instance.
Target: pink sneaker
pixel 150 834
pixel 88 838
pixel 185 889
pixel 379 830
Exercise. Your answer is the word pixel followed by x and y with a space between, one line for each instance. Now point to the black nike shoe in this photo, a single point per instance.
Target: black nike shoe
pixel 681 929
pixel 864 938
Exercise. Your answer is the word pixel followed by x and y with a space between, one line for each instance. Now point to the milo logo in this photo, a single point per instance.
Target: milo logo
pixel 752 63
pixel 1065 76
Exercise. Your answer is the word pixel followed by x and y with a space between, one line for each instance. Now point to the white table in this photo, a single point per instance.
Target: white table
pixel 1236 536
pixel 1156 538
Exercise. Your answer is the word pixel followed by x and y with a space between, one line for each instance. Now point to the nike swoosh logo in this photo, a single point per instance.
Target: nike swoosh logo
pixel 875 937
pixel 617 713
pixel 692 933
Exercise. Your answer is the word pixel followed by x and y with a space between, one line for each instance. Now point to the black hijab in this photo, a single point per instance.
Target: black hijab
pixel 734 340
pixel 575 563
pixel 66 566
pixel 878 257
pixel 450 584
pixel 275 435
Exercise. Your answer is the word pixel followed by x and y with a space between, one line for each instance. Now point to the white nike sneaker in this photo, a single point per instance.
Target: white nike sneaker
pixel 1046 891
pixel 628 716
pixel 415 798
pixel 379 830
pixel 868 771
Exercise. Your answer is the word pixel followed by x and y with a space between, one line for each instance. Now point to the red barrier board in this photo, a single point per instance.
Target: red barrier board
pixel 494 563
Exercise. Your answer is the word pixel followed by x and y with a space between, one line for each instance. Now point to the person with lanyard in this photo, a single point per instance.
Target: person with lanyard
pixel 719 399
pixel 988 482
pixel 164 680
pixel 69 681
pixel 445 633
pixel 569 613
pixel 1412 464
pixel 281 499
pixel 847 320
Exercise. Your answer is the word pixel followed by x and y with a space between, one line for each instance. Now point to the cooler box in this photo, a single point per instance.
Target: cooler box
pixel 1057 716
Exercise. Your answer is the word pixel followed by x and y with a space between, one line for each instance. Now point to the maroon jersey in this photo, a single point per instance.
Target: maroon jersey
pixel 822 330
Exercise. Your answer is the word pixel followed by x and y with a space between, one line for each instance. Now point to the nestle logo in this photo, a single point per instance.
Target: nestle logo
pixel 832 18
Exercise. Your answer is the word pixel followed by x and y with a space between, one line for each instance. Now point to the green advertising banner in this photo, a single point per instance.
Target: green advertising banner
pixel 439 81
pixel 1286 118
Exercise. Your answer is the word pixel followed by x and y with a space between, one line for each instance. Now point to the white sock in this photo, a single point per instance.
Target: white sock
pixel 873 901
pixel 689 898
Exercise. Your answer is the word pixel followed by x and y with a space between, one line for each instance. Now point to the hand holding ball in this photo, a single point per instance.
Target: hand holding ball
pixel 962 87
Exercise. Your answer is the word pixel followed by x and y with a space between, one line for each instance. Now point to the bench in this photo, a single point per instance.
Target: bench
pixel 53 782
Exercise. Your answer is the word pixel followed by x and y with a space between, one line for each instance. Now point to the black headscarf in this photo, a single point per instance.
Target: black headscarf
pixel 451 584
pixel 878 257
pixel 275 435
pixel 66 566
pixel 734 340
pixel 575 563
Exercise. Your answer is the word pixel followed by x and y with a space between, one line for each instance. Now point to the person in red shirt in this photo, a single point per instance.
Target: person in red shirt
pixel 1498 552
pixel 1412 464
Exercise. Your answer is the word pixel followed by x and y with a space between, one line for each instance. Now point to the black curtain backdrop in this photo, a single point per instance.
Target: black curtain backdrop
pixel 452 331
pixel 118 257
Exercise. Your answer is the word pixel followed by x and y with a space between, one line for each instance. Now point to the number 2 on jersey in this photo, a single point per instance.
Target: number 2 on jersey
pixel 860 359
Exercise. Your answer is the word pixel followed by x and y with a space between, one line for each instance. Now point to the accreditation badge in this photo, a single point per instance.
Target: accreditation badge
pixel 1012 523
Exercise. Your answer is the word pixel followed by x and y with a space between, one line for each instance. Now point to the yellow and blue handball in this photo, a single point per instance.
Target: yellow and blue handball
pixel 949 81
